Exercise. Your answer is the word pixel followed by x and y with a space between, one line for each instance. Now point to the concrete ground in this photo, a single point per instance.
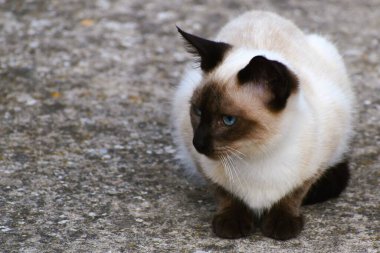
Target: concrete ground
pixel 86 157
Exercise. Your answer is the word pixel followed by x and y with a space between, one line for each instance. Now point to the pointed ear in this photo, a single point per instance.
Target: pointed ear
pixel 211 53
pixel 274 76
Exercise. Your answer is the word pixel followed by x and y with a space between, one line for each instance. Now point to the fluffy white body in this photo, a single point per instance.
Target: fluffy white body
pixel 312 135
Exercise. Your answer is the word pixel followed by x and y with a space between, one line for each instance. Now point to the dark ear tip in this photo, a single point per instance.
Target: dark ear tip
pixel 259 58
pixel 182 32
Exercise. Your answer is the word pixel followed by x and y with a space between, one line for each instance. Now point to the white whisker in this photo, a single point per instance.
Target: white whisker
pixel 244 183
pixel 236 155
pixel 228 156
pixel 226 168
pixel 234 149
pixel 233 168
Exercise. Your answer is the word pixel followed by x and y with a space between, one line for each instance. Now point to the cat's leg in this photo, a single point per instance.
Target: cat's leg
pixel 329 185
pixel 233 218
pixel 284 220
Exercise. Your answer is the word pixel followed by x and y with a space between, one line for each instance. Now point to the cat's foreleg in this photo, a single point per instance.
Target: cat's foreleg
pixel 284 220
pixel 233 218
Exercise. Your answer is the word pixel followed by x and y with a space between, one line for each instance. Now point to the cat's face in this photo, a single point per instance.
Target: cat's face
pixel 242 110
pixel 227 116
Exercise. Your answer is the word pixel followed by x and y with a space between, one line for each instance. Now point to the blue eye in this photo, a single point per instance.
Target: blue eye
pixel 197 111
pixel 229 120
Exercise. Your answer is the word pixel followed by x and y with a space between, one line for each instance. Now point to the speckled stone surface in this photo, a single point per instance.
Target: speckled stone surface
pixel 87 162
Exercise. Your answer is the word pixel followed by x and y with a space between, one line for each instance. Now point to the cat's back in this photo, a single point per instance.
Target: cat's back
pixel 262 30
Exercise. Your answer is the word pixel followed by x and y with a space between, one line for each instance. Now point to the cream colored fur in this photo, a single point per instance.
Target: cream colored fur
pixel 313 131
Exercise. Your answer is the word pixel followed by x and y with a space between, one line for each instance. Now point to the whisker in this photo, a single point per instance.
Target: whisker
pixel 245 182
pixel 233 168
pixel 234 154
pixel 226 168
pixel 227 150
pixel 234 149
pixel 237 156
pixel 229 156
pixel 231 175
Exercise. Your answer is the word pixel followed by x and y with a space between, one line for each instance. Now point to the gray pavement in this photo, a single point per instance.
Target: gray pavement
pixel 87 163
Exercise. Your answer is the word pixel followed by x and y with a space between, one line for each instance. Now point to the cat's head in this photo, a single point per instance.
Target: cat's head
pixel 240 101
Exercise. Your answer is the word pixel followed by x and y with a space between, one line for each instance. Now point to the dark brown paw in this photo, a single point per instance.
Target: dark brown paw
pixel 281 225
pixel 232 224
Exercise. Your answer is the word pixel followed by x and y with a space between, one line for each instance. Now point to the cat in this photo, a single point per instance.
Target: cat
pixel 267 120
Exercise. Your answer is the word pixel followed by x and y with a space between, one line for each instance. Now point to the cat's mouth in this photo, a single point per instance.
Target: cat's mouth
pixel 206 149
pixel 219 153
pixel 213 155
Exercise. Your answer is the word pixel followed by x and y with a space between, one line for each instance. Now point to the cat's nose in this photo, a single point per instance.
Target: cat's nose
pixel 202 143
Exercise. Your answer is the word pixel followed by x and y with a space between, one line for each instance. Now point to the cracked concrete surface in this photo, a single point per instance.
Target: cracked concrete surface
pixel 87 163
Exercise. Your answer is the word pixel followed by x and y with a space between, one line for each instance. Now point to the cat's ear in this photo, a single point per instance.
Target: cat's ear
pixel 211 53
pixel 274 76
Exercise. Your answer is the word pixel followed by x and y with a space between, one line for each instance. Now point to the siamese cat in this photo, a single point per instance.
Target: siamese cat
pixel 266 119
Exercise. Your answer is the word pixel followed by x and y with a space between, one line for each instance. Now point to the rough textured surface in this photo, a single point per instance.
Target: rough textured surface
pixel 86 158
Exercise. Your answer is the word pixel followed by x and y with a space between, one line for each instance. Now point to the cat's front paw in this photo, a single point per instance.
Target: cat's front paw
pixel 281 225
pixel 233 224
